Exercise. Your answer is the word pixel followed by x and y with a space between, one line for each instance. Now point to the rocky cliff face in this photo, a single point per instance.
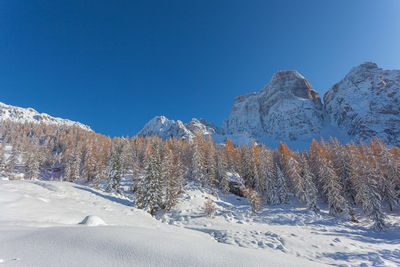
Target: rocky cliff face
pixel 287 108
pixel 18 114
pixel 366 103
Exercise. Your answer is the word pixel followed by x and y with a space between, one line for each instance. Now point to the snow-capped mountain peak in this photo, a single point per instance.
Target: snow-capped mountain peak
pixel 366 103
pixel 164 128
pixel 287 108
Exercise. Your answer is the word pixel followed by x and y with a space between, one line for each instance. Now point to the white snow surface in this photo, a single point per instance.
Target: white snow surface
pixel 92 220
pixel 18 114
pixel 289 230
pixel 40 226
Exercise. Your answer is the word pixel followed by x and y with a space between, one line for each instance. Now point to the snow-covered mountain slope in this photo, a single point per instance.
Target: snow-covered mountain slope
pixel 40 225
pixel 18 114
pixel 287 108
pixel 164 128
pixel 366 103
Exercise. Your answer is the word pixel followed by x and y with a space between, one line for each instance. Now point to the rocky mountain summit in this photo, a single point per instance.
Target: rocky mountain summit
pixel 366 104
pixel 287 108
pixel 18 114
pixel 362 106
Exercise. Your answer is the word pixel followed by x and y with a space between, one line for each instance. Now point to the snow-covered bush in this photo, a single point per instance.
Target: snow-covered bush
pixel 209 208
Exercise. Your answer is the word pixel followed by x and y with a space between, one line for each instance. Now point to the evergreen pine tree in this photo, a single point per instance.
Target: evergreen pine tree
pixel 366 176
pixel 172 176
pixel 11 162
pixel 76 165
pixel 389 173
pixel 222 167
pixel 114 173
pixel 149 193
pixel 33 160
pixel 267 174
pixel 2 159
pixel 282 192
pixel 199 165
pixel 310 190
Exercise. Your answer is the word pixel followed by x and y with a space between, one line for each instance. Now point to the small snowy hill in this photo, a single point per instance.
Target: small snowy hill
pixel 18 114
pixel 40 225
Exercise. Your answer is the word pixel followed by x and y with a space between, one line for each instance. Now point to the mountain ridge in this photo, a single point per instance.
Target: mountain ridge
pixel 19 114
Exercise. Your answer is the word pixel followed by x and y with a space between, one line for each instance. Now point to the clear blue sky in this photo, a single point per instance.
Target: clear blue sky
pixel 116 64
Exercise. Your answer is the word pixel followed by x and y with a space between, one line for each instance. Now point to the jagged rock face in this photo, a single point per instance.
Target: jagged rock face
pixel 18 114
pixel 287 108
pixel 164 128
pixel 366 103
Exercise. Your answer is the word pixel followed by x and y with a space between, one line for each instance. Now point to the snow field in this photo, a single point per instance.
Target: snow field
pixel 289 230
pixel 40 226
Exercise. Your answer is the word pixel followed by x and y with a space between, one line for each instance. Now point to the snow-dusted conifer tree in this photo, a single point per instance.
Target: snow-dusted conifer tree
pixel 222 167
pixel 114 173
pixel 126 157
pixel 341 160
pixel 254 199
pixel 249 166
pixel 329 181
pixel 310 190
pixel 389 173
pixel 366 176
pixel 282 192
pixel 211 162
pixel 76 165
pixel 90 166
pixel 199 161
pixel 149 193
pixel 172 176
pixel 268 174
pixel 297 182
pixel 11 162
pixel 2 159
pixel 32 163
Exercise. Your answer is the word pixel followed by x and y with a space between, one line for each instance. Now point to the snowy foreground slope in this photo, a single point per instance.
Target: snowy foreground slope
pixel 40 226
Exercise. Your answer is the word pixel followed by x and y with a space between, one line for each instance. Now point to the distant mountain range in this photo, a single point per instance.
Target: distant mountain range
pixel 365 104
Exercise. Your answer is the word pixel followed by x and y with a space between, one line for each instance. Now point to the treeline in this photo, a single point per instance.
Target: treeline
pixel 343 176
